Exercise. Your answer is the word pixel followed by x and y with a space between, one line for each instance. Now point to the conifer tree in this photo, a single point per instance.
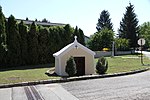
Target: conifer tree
pixel 129 28
pixel 33 44
pixel 68 34
pixel 24 42
pixel 79 33
pixel 71 67
pixel 54 41
pixel 104 21
pixel 82 41
pixel 2 36
pixel 43 44
pixel 13 42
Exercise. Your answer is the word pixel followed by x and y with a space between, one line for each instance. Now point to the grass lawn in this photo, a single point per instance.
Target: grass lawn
pixel 23 75
pixel 116 64
pixel 125 63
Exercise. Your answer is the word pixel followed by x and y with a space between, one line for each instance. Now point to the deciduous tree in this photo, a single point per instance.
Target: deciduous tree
pixel 102 39
pixel 122 44
pixel 145 33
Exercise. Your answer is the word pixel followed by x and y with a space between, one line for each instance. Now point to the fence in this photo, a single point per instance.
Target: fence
pixel 109 53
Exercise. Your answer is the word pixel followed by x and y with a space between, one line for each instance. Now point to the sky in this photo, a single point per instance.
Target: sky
pixel 81 13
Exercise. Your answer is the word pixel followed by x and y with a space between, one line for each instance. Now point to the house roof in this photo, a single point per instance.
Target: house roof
pixel 75 44
pixel 29 22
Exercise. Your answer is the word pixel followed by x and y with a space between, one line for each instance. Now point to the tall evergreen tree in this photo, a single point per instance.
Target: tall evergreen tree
pixel 129 28
pixel 33 44
pixel 54 41
pixel 43 44
pixel 2 36
pixel 60 35
pixel 24 42
pixel 76 33
pixel 13 42
pixel 79 33
pixel 82 41
pixel 68 34
pixel 104 21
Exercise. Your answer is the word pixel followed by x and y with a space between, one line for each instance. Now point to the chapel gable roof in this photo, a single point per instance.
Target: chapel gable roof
pixel 73 45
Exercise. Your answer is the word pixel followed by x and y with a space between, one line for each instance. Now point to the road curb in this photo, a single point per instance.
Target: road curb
pixel 86 77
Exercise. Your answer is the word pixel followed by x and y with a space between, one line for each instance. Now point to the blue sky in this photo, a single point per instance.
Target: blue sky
pixel 81 13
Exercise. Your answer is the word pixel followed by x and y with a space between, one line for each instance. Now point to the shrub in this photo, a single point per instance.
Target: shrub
pixel 102 65
pixel 71 67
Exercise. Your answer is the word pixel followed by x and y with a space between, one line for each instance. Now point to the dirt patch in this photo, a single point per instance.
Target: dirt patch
pixel 13 78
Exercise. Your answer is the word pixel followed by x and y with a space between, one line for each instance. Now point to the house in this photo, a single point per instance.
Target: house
pixel 84 59
pixel 45 24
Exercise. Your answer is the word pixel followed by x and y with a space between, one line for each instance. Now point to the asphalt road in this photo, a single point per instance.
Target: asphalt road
pixel 131 87
pixel 36 92
pixel 146 53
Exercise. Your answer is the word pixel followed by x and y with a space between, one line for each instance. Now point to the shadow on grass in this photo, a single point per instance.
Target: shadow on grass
pixel 27 67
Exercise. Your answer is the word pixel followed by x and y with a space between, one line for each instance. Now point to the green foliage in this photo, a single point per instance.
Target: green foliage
pixel 43 45
pixel 13 42
pixel 33 44
pixel 145 33
pixel 45 20
pixel 68 32
pixel 24 42
pixel 55 38
pixel 2 37
pixel 122 44
pixel 102 65
pixel 98 41
pixel 81 37
pixel 129 26
pixel 79 33
pixel 71 67
pixel 104 21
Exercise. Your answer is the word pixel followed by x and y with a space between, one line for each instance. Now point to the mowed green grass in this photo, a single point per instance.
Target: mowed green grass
pixel 24 75
pixel 125 63
pixel 116 65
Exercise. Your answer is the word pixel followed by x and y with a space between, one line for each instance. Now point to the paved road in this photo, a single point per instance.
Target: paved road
pixel 147 54
pixel 131 87
pixel 37 92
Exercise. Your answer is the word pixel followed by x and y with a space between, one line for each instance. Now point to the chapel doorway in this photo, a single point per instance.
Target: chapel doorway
pixel 80 65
